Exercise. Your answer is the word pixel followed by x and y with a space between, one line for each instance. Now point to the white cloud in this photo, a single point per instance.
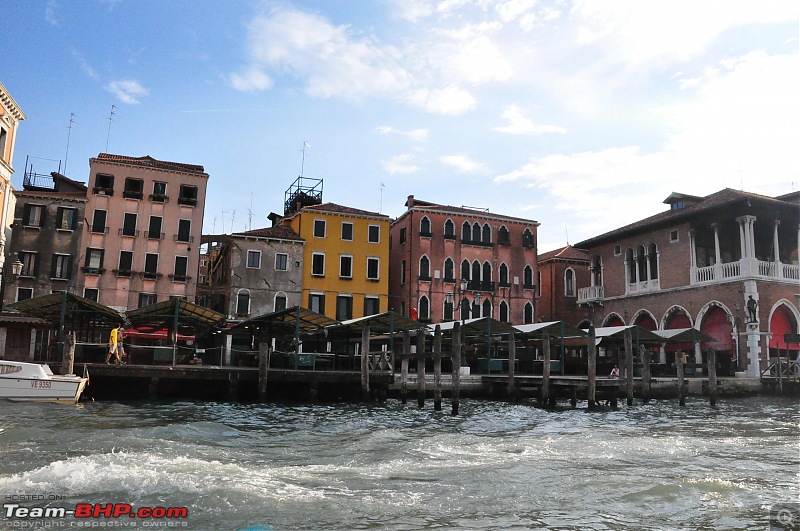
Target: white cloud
pixel 463 164
pixel 400 164
pixel 412 134
pixel 85 66
pixel 127 90
pixel 50 13
pixel 413 10
pixel 519 124
pixel 450 100
pixel 251 81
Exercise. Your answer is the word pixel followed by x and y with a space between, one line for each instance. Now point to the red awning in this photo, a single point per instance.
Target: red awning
pixel 780 325
pixel 149 333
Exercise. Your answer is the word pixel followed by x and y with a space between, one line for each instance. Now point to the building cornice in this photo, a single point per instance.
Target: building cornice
pixel 9 103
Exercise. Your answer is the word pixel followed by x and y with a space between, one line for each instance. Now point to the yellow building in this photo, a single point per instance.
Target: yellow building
pixel 10 116
pixel 346 259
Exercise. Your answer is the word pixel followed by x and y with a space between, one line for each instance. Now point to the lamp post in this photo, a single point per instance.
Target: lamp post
pixel 16 269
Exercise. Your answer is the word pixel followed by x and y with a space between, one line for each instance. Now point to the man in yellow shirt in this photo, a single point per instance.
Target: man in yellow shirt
pixel 115 344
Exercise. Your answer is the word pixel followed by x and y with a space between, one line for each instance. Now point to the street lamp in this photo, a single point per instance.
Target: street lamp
pixel 16 269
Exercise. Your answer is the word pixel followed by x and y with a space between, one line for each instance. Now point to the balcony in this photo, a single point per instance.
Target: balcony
pixel 132 194
pixel 590 294
pixel 745 268
pixel 480 285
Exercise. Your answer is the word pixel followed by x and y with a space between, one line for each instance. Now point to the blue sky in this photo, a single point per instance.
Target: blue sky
pixel 581 115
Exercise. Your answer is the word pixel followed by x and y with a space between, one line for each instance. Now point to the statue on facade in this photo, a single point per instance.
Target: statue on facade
pixel 752 307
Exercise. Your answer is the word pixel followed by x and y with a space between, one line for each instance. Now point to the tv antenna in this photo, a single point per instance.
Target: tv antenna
pixel 303 161
pixel 250 213
pixel 69 133
pixel 110 119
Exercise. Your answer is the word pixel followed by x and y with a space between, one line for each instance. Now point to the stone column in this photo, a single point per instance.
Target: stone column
pixel 777 250
pixel 692 258
pixel 717 254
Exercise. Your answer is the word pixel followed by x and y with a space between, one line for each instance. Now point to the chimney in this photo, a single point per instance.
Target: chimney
pixel 410 202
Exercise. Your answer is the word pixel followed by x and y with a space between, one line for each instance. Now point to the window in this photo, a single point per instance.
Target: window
pixel 528 317
pixel 372 306
pixel 449 271
pixel 374 234
pixel 187 195
pixel 103 184
pixel 528 240
pixel 184 230
pixel 94 261
pixel 29 264
pixel 344 307
pixel 347 231
pixel 466 232
pixel 448 310
pixel 99 221
pixel 181 266
pixel 125 264
pixel 66 218
pixel 129 224
pixel 476 233
pixel 91 294
pixel 151 266
pixel 24 294
pixel 449 230
pixel 345 266
pixel 316 302
pixel 527 276
pixel 373 268
pixel 33 215
pixel 652 257
pixel 319 228
pixel 504 276
pixel 280 302
pixel 424 268
pixel 465 270
pixel 134 188
pixel 403 272
pixel 159 192
pixel 3 141
pixel 487 308
pixel 503 237
pixel 318 264
pixel 60 266
pixel 425 227
pixel 673 236
pixel 147 299
pixel 503 312
pixel 154 230
pixel 402 235
pixel 487 234
pixel 281 261
pixel 617 250
pixel 253 259
pixel 569 283
pixel 424 309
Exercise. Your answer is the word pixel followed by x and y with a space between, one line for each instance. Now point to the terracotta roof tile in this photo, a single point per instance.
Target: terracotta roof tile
pixel 149 162
pixel 565 253
pixel 339 209
pixel 281 232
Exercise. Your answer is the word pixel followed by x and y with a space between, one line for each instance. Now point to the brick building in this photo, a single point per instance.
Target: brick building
pixel 560 273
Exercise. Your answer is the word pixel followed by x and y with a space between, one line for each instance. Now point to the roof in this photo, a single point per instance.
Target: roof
pixel 723 199
pixel 48 307
pixel 477 327
pixel 555 329
pixel 9 103
pixel 45 194
pixel 683 335
pixel 149 162
pixel 382 323
pixel 333 208
pixel 7 318
pixel 421 206
pixel 163 314
pixel 285 322
pixel 281 232
pixel 618 333
pixel 565 253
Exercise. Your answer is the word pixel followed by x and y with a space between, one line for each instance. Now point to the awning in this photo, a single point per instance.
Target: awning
pixel 163 315
pixel 150 333
pixel 479 326
pixel 72 307
pixel 684 335
pixel 382 323
pixel 284 323
pixel 555 329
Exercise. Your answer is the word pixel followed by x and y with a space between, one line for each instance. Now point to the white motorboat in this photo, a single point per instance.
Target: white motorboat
pixel 35 382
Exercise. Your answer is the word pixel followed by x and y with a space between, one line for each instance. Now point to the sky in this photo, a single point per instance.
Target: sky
pixel 581 115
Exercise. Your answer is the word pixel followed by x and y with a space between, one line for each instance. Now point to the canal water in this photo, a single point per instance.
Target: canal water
pixel 393 466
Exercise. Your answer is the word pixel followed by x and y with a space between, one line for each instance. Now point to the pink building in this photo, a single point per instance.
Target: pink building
pixel 435 248
pixel 141 242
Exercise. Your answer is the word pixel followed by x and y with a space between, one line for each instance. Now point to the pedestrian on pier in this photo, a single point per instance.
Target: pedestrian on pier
pixel 614 372
pixel 115 344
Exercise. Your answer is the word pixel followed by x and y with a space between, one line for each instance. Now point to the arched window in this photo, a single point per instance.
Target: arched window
pixel 528 240
pixel 243 302
pixel 487 276
pixel 425 226
pixel 569 282
pixel 596 270
pixel 448 310
pixel 504 276
pixel 527 278
pixel 631 263
pixel 464 309
pixel 652 256
pixel 476 275
pixel 528 317
pixel 539 282
pixel 504 312
pixel 641 263
pixel 449 275
pixel 465 270
pixel 476 233
pixel 487 308
pixel 424 268
pixel 424 308
pixel 449 229
pixel 476 309
pixel 487 233
pixel 280 301
pixel 466 232
pixel 503 237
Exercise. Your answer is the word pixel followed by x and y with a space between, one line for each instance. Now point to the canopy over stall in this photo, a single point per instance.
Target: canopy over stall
pixel 554 329
pixel 290 321
pixel 684 335
pixel 382 323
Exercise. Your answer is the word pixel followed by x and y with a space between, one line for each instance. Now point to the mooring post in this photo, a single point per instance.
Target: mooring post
pixel 313 391
pixel 645 356
pixel 681 377
pixel 512 360
pixel 420 367
pixel 437 368
pixel 263 370
pixel 365 362
pixel 629 366
pixel 711 359
pixel 592 368
pixel 233 386
pixel 404 366
pixel 456 366
pixel 779 371
pixel 68 361
pixel 546 369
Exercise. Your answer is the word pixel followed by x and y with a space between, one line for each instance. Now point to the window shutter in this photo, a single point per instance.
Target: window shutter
pixel 26 214
pixel 53 263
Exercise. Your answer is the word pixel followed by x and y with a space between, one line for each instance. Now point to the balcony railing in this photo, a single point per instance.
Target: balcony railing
pixel 746 267
pixel 590 294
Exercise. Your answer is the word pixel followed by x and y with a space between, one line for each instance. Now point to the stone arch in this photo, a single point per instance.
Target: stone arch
pixel 645 319
pixel 783 319
pixel 669 315
pixel 613 319
pixel 716 320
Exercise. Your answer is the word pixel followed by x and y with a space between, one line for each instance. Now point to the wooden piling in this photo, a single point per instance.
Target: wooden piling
pixel 711 359
pixel 365 362
pixel 592 368
pixel 437 368
pixel 313 391
pixel 681 377
pixel 512 360
pixel 153 391
pixel 404 366
pixel 263 370
pixel 779 372
pixel 645 357
pixel 456 366
pixel 68 361
pixel 629 366
pixel 420 367
pixel 546 369
pixel 233 387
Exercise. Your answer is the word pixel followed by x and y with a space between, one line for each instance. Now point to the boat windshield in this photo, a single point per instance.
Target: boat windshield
pixel 9 369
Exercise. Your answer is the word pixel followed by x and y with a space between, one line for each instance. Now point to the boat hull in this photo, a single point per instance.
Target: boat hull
pixel 53 389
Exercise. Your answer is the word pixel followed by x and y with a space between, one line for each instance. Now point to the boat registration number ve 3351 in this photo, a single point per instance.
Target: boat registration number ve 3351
pixel 42 384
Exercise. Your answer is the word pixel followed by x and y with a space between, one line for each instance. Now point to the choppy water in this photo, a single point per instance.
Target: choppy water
pixel 389 466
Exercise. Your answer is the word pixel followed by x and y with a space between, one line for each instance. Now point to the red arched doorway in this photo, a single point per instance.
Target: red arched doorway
pixel 782 323
pixel 615 320
pixel 678 320
pixel 645 321
pixel 717 324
